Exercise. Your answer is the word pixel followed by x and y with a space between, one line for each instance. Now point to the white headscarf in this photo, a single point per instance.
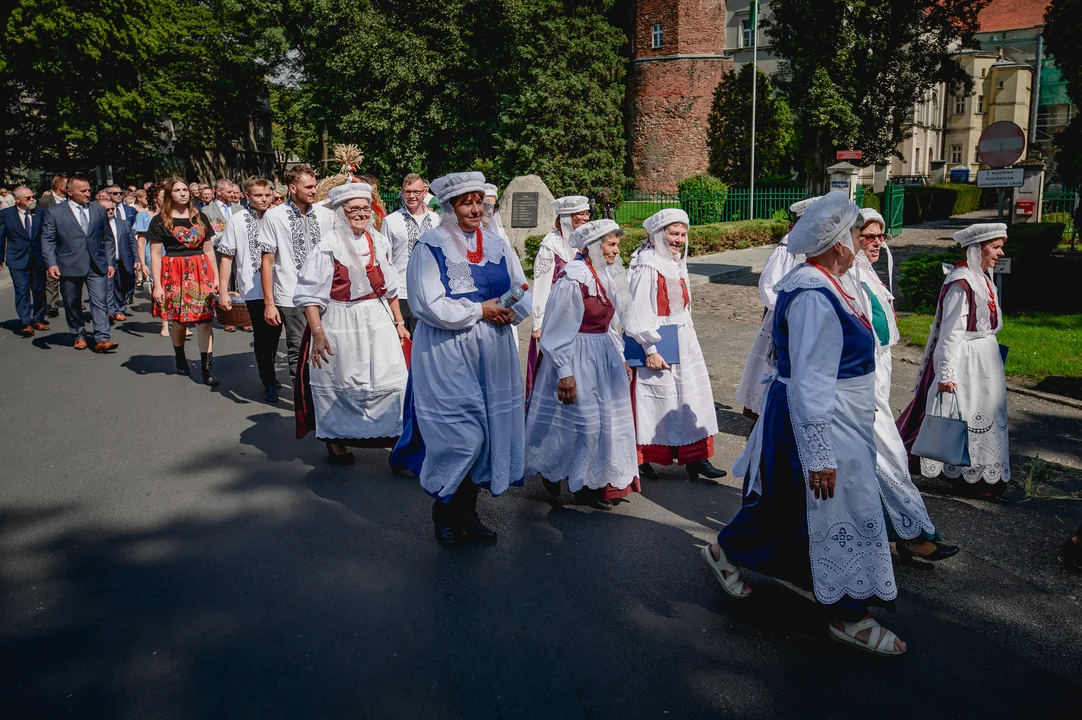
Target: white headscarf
pixel 971 239
pixel 870 215
pixel 587 240
pixel 350 250
pixel 495 222
pixel 565 207
pixel 447 188
pixel 661 259
pixel 823 225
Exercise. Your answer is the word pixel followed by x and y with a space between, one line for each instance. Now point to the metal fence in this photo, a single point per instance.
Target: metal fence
pixel 1060 205
pixel 704 208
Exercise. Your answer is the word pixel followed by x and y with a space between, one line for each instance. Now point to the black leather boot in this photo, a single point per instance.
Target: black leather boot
pixel 206 362
pixel 647 472
pixel 182 361
pixel 464 506
pixel 704 471
pixel 446 535
pixel 553 488
pixel 592 498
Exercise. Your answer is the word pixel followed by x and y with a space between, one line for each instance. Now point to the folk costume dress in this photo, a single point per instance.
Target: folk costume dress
pixel 962 348
pixel 818 413
pixel 555 252
pixel 674 408
pixel 591 442
pixel 464 415
pixel 188 281
pixel 356 398
pixel 750 391
pixel 905 509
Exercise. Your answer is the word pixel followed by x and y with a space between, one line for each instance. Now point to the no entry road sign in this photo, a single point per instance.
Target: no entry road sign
pixel 1001 144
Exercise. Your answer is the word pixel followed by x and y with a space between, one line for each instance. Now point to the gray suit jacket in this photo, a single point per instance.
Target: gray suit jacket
pixel 65 245
pixel 215 215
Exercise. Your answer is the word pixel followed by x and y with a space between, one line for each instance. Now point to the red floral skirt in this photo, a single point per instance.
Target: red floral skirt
pixel 189 285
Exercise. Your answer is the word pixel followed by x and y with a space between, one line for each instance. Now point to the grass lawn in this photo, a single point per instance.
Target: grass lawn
pixel 631 213
pixel 1041 344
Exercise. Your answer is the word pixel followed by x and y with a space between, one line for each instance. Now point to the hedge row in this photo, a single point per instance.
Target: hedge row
pixel 1032 284
pixel 702 239
pixel 935 202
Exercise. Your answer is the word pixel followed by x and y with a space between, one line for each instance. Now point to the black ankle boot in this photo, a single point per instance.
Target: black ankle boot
pixel 704 471
pixel 182 361
pixel 270 394
pixel 551 487
pixel 464 507
pixel 592 498
pixel 647 472
pixel 206 361
pixel 441 518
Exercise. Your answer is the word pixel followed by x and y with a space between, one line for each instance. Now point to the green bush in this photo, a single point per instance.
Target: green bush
pixel 936 202
pixel 873 201
pixel 702 239
pixel 921 277
pixel 702 197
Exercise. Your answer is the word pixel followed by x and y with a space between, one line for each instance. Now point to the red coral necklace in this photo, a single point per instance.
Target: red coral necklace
pixel 473 256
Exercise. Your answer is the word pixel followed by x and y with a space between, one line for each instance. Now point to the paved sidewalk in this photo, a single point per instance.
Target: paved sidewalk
pixel 724 265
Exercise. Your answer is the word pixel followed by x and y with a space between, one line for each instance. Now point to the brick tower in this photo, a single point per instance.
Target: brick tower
pixel 677 60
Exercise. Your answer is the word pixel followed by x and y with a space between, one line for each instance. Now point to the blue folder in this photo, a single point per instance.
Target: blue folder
pixel 668 347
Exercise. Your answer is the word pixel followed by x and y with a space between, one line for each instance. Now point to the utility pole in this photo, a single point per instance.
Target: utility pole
pixel 754 87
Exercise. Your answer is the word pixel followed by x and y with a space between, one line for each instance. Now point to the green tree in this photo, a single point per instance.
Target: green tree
pixel 728 136
pixel 1063 25
pixel 561 107
pixel 853 69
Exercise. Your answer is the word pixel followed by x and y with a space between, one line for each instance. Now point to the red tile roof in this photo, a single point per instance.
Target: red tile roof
pixel 1012 15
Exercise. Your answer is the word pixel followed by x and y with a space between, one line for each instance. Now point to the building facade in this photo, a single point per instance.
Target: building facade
pixel 677 60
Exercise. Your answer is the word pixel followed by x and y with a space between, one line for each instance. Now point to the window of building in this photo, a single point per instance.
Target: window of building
pixel 916 161
pixel 956 154
pixel 984 72
pixel 1000 84
pixel 935 108
pixel 976 155
pixel 980 104
pixel 747 36
pixel 959 104
pixel 931 157
pixel 658 36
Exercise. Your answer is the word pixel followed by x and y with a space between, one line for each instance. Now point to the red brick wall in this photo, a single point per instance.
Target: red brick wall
pixel 669 100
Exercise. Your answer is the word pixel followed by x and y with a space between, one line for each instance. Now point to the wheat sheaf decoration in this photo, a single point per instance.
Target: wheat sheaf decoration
pixel 349 158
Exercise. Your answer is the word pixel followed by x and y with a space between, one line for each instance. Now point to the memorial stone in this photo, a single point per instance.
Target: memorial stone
pixel 526 209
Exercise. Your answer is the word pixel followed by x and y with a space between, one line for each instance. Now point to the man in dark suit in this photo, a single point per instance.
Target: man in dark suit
pixel 127 261
pixel 20 248
pixel 79 250
pixel 125 212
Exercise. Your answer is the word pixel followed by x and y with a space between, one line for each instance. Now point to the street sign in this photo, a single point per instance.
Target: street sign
pixel 839 185
pixel 1001 144
pixel 850 154
pixel 1001 178
pixel 1003 266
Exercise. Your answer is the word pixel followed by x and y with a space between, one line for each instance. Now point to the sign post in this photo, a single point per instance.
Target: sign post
pixel 1000 146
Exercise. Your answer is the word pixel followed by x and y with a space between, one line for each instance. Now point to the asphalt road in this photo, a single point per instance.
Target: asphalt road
pixel 168 551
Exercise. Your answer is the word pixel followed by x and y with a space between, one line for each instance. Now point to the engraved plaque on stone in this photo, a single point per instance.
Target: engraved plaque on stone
pixel 524 210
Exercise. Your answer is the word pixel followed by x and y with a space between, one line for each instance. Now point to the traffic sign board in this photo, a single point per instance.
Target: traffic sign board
pixel 1001 178
pixel 1001 144
pixel 850 154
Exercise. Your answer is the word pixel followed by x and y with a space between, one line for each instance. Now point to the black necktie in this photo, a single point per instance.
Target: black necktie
pixel 26 222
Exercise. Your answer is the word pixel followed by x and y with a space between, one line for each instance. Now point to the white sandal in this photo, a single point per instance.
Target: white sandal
pixel 880 640
pixel 732 585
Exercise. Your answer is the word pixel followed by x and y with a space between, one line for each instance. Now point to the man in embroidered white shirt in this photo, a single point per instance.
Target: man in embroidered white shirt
pixel 290 230
pixel 403 227
pixel 241 250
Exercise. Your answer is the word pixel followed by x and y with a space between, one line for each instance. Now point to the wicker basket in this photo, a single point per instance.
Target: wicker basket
pixel 238 315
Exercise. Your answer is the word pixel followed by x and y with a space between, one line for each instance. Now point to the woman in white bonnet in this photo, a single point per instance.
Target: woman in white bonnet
pixel 749 393
pixel 464 416
pixel 571 211
pixel 351 377
pixel 908 524
pixel 580 424
pixel 674 405
pixel 812 513
pixel 963 357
